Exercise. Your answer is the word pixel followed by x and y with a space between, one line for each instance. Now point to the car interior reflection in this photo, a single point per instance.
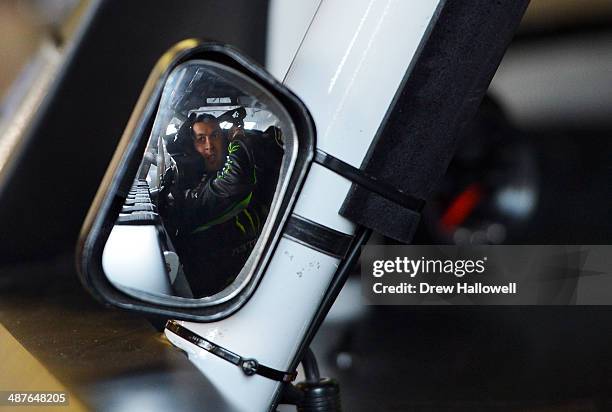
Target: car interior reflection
pixel 206 183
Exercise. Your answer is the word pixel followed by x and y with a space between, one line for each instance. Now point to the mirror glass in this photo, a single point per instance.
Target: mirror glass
pixel 207 188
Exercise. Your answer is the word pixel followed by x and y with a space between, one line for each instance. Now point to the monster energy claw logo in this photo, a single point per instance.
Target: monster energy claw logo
pixel 226 168
pixel 233 147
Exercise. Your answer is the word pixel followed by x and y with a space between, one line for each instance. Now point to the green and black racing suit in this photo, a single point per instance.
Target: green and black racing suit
pixel 219 221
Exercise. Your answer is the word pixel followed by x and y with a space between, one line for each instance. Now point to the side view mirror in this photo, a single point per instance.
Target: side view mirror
pixel 216 143
pixel 200 189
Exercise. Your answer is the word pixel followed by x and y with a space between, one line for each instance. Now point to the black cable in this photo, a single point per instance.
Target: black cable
pixel 311 368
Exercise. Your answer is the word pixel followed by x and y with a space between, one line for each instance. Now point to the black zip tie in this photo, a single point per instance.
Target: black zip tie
pixel 249 366
pixel 369 182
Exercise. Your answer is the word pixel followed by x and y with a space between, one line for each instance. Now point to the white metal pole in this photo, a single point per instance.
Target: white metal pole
pixel 347 71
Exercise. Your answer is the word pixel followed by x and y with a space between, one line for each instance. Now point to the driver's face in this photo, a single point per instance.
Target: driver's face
pixel 208 141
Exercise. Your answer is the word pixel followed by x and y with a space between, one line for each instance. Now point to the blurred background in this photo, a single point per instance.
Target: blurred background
pixel 535 168
pixel 26 25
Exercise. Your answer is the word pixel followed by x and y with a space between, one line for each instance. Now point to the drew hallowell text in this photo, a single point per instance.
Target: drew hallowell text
pixel 460 288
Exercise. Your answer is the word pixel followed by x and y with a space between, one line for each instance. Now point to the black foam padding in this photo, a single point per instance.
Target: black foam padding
pixel 440 94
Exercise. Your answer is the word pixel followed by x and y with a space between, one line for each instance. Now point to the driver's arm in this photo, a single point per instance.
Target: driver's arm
pixel 216 200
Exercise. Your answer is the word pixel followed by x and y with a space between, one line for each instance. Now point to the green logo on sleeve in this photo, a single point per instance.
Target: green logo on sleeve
pixel 233 147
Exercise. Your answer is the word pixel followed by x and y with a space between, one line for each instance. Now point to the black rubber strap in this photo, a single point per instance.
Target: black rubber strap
pixel 318 237
pixel 249 366
pixel 369 182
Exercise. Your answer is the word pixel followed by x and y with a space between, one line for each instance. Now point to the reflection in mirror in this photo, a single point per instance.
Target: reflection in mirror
pixel 208 180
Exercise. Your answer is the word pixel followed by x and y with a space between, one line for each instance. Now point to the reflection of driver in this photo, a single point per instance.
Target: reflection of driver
pixel 230 181
pixel 217 220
